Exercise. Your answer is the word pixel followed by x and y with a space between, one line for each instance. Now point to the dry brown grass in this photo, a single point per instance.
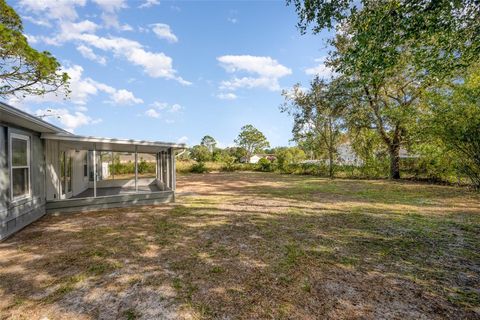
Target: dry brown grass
pixel 255 245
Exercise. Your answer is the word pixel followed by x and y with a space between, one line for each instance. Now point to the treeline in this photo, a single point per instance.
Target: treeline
pixel 370 161
pixel 405 76
pixel 401 89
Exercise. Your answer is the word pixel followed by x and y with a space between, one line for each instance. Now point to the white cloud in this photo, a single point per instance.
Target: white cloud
pixel 67 119
pixel 175 108
pixel 88 53
pixel 109 15
pixel 155 64
pixel 320 69
pixel 69 31
pixel 163 110
pixel 183 139
pixel 263 66
pixel 163 31
pixel 266 71
pixel 250 82
pixel 227 96
pixel 38 21
pixel 82 89
pixel 53 9
pixel 110 20
pixel 111 5
pixel 232 20
pixel 81 108
pixel 125 97
pixel 149 3
pixel 152 113
pixel 163 106
pixel 80 27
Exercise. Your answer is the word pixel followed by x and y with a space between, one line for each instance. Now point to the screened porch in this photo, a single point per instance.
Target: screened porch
pixel 85 171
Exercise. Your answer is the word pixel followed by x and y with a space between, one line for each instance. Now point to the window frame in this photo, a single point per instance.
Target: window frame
pixel 26 138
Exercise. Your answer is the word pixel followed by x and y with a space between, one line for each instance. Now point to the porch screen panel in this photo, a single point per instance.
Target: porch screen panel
pixel 147 165
pixel 123 165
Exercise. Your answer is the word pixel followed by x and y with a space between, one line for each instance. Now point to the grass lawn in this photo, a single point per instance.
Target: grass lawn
pixel 255 245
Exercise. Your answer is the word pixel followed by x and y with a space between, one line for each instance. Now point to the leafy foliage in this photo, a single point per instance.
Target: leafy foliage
pixel 456 121
pixel 442 36
pixel 390 53
pixel 209 142
pixel 265 165
pixel 199 168
pixel 24 70
pixel 288 156
pixel 251 139
pixel 317 115
pixel 200 153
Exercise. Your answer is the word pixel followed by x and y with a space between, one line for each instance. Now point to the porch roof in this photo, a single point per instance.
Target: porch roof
pixel 111 144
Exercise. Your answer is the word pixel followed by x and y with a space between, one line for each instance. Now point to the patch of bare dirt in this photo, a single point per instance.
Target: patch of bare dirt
pixel 254 246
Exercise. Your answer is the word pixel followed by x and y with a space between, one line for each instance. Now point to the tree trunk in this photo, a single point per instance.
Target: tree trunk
pixel 394 161
pixel 330 165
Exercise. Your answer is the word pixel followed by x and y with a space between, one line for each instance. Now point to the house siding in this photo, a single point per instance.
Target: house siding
pixel 16 215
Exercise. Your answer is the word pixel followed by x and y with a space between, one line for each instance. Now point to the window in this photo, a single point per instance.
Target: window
pixel 85 165
pixel 20 166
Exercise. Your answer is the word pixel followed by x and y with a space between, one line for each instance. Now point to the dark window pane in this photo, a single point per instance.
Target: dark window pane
pixel 19 181
pixel 19 152
pixel 85 165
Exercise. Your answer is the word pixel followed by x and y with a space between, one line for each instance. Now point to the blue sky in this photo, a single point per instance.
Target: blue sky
pixel 172 70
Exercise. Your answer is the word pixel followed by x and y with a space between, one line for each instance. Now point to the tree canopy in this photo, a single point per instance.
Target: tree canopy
pixel 441 36
pixel 209 142
pixel 454 118
pixel 389 53
pixel 252 139
pixel 317 115
pixel 24 70
pixel 200 153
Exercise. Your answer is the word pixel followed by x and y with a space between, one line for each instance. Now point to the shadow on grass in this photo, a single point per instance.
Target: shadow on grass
pixel 244 257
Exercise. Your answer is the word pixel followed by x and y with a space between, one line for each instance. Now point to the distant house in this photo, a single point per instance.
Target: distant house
pixel 347 156
pixel 256 157
pixel 44 169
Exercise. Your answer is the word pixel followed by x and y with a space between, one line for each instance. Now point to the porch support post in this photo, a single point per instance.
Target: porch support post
pixel 170 169
pixel 174 171
pixel 167 167
pixel 156 166
pixel 160 161
pixel 94 170
pixel 136 169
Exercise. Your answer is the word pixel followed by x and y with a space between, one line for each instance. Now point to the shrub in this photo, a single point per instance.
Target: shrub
pixel 228 163
pixel 264 165
pixel 199 167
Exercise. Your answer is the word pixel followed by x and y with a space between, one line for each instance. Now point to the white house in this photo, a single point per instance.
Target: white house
pixel 347 156
pixel 45 169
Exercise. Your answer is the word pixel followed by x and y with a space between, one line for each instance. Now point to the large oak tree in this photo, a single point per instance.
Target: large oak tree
pixel 392 51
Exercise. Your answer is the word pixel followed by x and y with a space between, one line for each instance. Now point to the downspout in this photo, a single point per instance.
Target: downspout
pixel 183 151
